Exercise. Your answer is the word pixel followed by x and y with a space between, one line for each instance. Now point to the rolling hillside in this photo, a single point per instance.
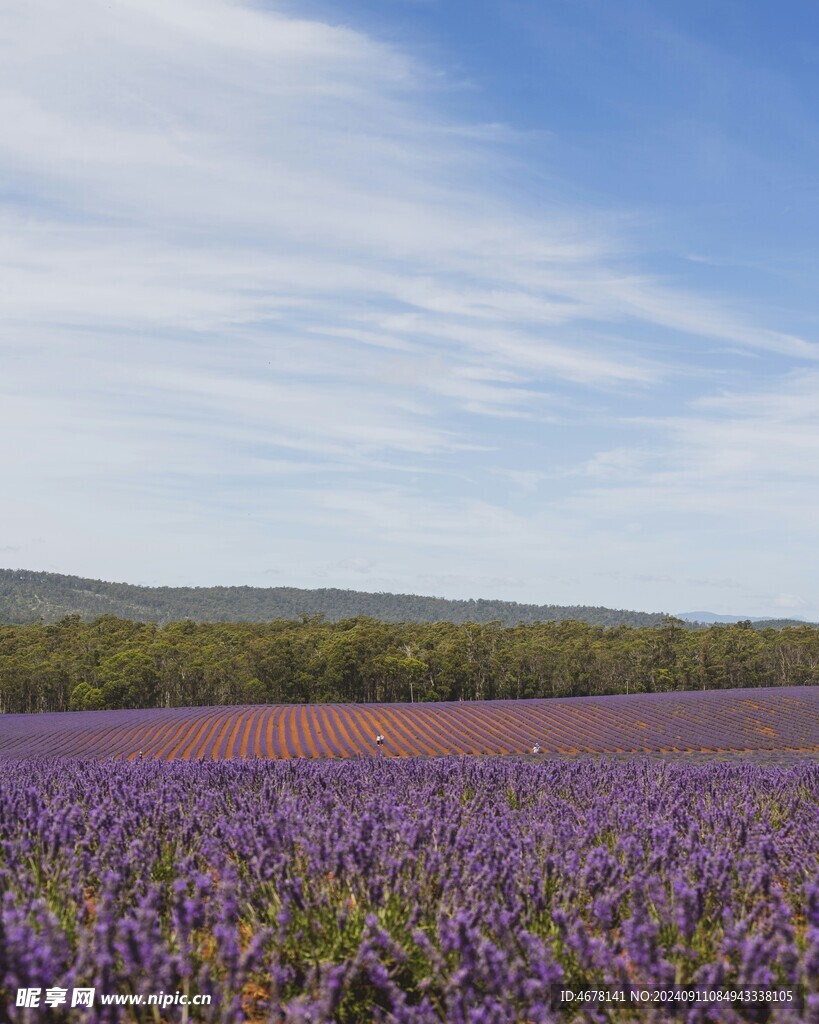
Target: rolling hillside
pixel 26 596
pixel 781 720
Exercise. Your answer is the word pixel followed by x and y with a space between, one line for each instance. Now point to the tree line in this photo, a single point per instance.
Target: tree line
pixel 118 663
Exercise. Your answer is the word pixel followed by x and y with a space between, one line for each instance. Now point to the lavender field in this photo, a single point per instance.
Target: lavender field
pixel 777 721
pixel 449 890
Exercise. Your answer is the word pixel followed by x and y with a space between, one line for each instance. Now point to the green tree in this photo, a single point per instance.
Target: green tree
pixel 87 698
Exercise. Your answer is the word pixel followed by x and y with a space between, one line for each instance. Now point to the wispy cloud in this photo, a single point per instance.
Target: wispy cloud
pixel 241 248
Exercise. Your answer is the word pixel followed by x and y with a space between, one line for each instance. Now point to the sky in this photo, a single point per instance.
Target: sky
pixel 499 298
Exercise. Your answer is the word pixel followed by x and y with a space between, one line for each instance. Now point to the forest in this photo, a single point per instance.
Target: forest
pixel 118 663
pixel 26 596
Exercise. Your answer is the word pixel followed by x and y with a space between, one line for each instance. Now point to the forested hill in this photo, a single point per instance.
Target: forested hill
pixel 27 596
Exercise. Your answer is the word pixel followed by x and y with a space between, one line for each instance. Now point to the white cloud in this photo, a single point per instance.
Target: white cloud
pixel 736 478
pixel 244 247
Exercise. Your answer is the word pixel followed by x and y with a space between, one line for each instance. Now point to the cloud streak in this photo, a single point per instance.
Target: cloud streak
pixel 240 246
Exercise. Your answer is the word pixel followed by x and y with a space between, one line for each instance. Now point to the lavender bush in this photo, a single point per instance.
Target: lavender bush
pixel 451 890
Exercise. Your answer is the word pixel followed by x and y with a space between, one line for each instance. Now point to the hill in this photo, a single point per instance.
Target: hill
pixel 711 618
pixel 26 596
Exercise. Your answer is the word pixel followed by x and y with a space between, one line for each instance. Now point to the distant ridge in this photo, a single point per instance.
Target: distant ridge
pixel 26 596
pixel 711 617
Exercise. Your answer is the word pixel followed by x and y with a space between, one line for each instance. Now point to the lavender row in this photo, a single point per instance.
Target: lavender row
pixel 453 890
pixel 784 719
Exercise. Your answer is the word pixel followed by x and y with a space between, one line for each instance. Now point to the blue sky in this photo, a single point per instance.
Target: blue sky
pixel 487 299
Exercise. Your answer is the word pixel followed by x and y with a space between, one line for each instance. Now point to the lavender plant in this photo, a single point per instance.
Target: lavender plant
pixel 417 892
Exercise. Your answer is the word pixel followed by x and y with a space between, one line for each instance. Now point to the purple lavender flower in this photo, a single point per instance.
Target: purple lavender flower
pixel 360 891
